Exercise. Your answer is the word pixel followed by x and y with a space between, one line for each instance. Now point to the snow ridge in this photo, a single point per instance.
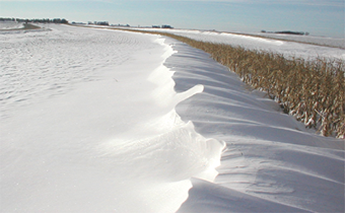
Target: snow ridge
pixel 99 132
pixel 271 163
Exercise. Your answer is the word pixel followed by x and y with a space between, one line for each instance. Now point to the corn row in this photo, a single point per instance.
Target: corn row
pixel 313 91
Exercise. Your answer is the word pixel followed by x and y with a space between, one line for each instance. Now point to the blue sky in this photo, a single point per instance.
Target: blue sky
pixel 319 17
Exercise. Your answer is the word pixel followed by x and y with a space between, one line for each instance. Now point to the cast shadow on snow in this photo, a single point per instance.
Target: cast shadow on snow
pixel 257 173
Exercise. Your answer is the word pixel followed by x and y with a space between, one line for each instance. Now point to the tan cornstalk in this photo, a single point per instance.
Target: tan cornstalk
pixel 313 91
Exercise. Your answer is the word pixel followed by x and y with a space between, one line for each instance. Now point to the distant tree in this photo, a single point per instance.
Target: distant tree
pixel 167 26
pixel 105 23
pixel 44 20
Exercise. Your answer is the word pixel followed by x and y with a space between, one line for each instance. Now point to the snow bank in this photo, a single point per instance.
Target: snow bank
pixel 96 120
pixel 272 163
pixel 88 125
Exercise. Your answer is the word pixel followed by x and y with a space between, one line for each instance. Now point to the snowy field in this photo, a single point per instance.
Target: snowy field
pixel 322 40
pixel 96 120
pixel 5 25
pixel 289 49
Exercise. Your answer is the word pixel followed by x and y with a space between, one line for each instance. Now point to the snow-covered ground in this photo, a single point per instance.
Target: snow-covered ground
pixel 271 164
pixel 287 48
pixel 96 120
pixel 6 25
pixel 322 40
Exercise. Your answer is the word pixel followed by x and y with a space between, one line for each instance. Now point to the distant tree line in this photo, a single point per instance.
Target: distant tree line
pixel 104 23
pixel 47 20
pixel 121 25
pixel 286 32
pixel 165 26
pixel 64 21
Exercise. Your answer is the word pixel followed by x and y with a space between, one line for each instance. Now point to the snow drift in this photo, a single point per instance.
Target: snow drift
pixel 88 124
pixel 96 120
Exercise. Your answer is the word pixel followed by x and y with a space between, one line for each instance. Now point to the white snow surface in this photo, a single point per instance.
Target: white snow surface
pixel 96 120
pixel 287 48
pixel 6 25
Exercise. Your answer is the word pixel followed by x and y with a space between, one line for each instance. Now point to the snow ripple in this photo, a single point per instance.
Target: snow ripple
pixel 89 124
pixel 38 65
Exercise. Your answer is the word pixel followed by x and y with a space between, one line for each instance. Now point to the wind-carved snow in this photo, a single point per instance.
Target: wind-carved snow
pixel 89 125
pixel 271 162
pixel 139 123
pixel 43 64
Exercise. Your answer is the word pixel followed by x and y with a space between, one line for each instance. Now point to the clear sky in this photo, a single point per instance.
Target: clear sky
pixel 318 17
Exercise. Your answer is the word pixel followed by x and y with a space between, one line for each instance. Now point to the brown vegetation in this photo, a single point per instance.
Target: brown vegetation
pixel 313 91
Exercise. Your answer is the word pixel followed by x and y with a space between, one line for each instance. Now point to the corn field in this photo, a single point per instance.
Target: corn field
pixel 313 91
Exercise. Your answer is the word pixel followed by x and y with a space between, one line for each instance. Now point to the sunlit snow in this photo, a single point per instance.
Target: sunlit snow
pixel 97 120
